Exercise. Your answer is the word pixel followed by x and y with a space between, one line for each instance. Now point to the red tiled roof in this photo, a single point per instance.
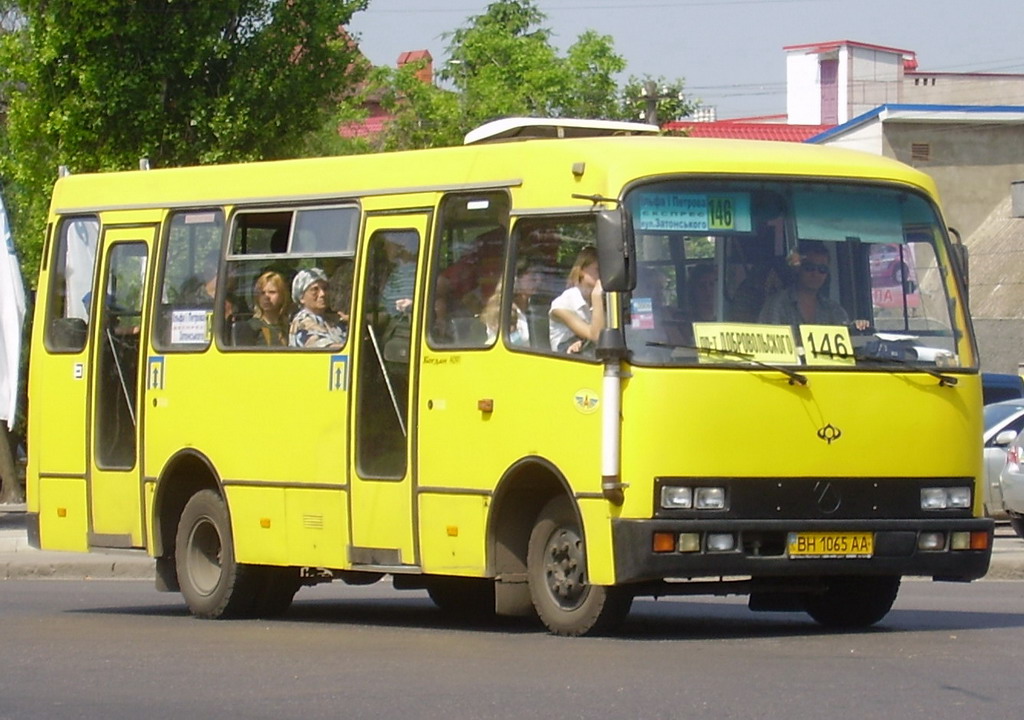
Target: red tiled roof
pixel 370 127
pixel 779 132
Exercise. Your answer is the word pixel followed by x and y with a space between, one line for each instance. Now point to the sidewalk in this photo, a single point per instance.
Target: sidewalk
pixel 19 561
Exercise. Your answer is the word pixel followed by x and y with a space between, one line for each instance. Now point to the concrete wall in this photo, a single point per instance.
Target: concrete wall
pixel 1000 344
pixel 874 79
pixel 803 89
pixel 962 89
pixel 972 164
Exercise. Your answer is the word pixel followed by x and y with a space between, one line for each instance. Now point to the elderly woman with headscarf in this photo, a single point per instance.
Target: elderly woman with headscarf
pixel 314 325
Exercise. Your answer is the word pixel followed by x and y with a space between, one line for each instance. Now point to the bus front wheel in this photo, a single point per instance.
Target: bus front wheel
pixel 853 602
pixel 213 584
pixel 557 572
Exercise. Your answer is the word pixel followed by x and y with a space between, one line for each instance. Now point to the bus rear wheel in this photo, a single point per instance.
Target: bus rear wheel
pixel 557 573
pixel 213 584
pixel 853 602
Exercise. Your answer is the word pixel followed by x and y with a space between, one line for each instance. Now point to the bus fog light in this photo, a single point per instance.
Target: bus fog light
pixel 931 541
pixel 721 542
pixel 676 498
pixel 960 541
pixel 689 542
pixel 709 498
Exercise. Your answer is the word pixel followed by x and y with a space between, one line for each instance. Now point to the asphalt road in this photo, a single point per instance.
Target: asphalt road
pixel 118 649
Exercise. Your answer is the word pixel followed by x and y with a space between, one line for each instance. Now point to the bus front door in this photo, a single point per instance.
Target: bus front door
pixel 384 379
pixel 115 478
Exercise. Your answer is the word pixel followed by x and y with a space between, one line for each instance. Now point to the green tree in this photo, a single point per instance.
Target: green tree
pixel 97 84
pixel 655 100
pixel 502 63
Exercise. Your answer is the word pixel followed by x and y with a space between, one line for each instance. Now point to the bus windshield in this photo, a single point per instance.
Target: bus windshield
pixel 789 273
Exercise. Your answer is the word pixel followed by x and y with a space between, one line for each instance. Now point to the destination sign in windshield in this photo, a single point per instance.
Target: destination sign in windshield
pixel 736 342
pixel 693 212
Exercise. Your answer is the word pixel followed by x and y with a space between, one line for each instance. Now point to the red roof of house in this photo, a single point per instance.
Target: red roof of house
pixel 370 127
pixel 779 132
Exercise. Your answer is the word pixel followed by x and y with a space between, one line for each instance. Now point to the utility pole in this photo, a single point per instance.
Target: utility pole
pixel 651 94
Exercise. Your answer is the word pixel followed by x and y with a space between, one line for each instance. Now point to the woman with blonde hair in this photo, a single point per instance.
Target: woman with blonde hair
pixel 577 315
pixel 529 276
pixel 272 308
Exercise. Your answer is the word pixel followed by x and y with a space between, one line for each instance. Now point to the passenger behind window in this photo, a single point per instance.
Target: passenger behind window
pixel 804 299
pixel 464 286
pixel 702 283
pixel 314 325
pixel 199 291
pixel 528 278
pixel 577 315
pixel 272 308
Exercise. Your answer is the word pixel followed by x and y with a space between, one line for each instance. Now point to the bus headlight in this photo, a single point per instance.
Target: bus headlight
pixel 681 497
pixel 674 497
pixel 709 498
pixel 945 498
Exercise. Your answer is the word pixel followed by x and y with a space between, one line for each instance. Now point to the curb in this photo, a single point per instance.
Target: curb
pixel 27 563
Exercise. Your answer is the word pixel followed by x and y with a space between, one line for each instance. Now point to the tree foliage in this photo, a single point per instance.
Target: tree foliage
pixel 98 84
pixel 502 63
pixel 655 100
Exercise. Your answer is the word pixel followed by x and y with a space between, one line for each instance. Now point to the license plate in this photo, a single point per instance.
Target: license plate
pixel 831 544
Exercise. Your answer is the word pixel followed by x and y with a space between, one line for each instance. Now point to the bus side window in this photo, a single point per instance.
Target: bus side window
pixel 71 285
pixel 467 268
pixel 544 251
pixel 189 281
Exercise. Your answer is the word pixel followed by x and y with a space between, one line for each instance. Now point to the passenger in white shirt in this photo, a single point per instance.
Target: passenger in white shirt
pixel 577 315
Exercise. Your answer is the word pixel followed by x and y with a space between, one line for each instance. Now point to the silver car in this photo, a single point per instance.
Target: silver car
pixel 1003 422
pixel 1011 480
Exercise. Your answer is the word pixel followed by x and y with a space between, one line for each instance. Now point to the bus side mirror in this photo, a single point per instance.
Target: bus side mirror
pixel 616 250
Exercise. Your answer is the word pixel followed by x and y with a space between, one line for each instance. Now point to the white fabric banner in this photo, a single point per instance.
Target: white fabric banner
pixel 12 317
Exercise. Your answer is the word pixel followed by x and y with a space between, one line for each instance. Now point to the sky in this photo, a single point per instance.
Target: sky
pixel 729 52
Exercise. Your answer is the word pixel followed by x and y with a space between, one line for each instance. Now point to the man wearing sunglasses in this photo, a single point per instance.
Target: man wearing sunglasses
pixel 802 302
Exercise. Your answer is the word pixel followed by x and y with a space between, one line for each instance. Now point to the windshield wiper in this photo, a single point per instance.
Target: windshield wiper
pixel 795 378
pixel 944 380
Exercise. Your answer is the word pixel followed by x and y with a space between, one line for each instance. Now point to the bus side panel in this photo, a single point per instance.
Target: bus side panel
pixel 270 418
pixel 258 524
pixel 544 408
pixel 58 402
pixel 64 516
pixel 318 530
pixel 452 528
pixel 288 526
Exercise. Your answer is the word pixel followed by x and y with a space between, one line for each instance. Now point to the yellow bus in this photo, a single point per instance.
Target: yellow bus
pixel 544 372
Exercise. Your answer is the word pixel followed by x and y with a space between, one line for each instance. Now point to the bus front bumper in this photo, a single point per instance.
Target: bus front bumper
pixel 652 550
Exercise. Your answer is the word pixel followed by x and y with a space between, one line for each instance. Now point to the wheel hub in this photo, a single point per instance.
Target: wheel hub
pixel 565 568
pixel 204 561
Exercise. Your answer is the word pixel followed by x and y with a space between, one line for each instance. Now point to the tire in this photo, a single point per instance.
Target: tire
pixel 463 597
pixel 1017 523
pixel 277 588
pixel 213 584
pixel 556 570
pixel 853 602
